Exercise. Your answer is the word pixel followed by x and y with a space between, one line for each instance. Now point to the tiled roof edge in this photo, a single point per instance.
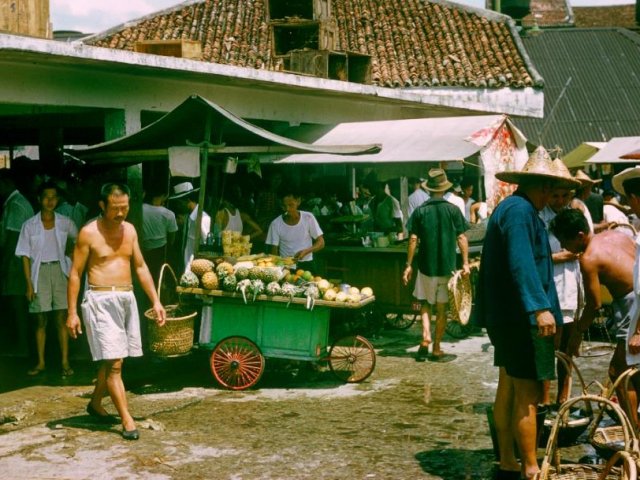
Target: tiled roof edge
pixel 488 14
pixel 105 33
pixel 538 81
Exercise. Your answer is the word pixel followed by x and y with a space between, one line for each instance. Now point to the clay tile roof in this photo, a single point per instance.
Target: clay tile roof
pixel 613 16
pixel 413 43
pixel 549 13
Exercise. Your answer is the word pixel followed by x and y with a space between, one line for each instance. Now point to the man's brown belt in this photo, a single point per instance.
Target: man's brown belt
pixel 111 288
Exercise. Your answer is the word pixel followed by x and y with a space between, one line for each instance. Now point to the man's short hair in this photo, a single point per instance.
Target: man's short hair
pixel 568 223
pixel 48 185
pixel 111 188
pixel 289 191
pixel 632 186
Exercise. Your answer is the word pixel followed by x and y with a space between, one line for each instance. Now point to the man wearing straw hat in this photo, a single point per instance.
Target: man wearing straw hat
pixel 581 197
pixel 438 226
pixel 518 304
pixel 109 248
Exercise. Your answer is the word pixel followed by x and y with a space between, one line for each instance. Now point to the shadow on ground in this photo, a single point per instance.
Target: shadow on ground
pixel 457 464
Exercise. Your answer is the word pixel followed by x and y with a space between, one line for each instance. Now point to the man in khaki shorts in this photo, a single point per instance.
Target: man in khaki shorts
pixel 438 226
pixel 108 246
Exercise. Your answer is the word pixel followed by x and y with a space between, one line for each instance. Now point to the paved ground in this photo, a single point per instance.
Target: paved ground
pixel 408 420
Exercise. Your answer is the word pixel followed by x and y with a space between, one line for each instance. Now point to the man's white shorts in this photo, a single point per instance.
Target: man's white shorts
pixel 432 289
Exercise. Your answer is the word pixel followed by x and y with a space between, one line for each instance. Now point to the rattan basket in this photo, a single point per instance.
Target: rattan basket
pixel 622 466
pixel 461 295
pixel 576 420
pixel 608 440
pixel 175 337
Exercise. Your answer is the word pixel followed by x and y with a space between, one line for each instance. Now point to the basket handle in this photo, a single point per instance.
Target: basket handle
pixel 571 366
pixel 608 393
pixel 630 440
pixel 629 468
pixel 164 267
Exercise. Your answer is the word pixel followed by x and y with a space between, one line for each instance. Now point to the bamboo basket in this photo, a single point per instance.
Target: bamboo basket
pixel 621 466
pixel 608 440
pixel 575 422
pixel 461 295
pixel 175 337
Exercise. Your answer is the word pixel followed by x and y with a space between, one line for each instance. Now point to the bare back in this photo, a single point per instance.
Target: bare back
pixel 110 253
pixel 611 254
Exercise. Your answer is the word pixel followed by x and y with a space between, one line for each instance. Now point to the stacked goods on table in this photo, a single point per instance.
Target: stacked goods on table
pixel 268 275
pixel 234 244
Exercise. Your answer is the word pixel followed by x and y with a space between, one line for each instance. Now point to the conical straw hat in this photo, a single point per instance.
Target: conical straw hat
pixel 539 165
pixel 585 179
pixel 562 170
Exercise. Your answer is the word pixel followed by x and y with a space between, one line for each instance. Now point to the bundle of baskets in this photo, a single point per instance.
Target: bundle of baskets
pixel 611 439
pixel 175 337
pixel 461 295
pixel 576 420
pixel 621 466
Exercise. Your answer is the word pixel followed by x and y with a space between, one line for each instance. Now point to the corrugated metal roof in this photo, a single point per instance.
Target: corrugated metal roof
pixel 601 71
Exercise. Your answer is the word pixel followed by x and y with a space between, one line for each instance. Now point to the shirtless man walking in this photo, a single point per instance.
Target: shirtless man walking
pixel 108 247
pixel 606 259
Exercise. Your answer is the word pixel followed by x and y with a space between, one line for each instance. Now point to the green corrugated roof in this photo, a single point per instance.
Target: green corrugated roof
pixel 603 98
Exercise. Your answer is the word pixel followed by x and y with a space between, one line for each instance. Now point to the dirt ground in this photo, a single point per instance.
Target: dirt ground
pixel 408 420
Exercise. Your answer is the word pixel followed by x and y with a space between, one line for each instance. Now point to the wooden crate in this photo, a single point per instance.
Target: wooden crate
pixel 191 49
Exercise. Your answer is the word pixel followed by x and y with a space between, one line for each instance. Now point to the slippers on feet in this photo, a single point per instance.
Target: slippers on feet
pixel 131 434
pixel 104 419
pixel 67 372
pixel 35 371
pixel 442 358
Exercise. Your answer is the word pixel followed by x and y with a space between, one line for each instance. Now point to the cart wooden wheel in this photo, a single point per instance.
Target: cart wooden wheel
pixel 352 359
pixel 401 321
pixel 237 363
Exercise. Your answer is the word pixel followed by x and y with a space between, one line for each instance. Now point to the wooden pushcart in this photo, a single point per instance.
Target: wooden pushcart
pixel 244 334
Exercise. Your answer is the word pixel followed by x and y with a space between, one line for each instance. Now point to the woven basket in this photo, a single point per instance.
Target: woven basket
pixel 553 469
pixel 175 337
pixel 608 440
pixel 460 297
pixel 576 421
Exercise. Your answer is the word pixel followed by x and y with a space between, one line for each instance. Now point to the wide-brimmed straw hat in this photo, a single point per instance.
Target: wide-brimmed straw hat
pixel 182 189
pixel 623 176
pixel 585 179
pixel 540 165
pixel 437 181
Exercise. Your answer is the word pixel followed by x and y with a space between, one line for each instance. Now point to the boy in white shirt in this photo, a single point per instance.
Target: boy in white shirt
pixel 295 233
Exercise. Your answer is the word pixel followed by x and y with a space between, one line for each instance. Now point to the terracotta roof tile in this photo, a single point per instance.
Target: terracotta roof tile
pixel 549 13
pixel 614 16
pixel 412 43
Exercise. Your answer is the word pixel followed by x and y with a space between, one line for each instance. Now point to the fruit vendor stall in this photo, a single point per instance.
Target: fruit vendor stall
pixel 252 306
pixel 258 308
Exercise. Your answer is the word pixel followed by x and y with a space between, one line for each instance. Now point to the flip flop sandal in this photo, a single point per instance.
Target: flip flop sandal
pixel 443 358
pixel 35 371
pixel 67 372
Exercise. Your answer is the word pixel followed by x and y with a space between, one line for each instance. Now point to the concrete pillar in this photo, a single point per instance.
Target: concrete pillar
pixel 118 123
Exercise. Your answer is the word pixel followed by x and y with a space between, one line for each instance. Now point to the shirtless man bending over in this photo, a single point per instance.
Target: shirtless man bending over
pixel 108 247
pixel 606 259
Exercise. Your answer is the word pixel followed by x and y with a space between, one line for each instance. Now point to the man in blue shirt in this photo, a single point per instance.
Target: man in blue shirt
pixel 518 305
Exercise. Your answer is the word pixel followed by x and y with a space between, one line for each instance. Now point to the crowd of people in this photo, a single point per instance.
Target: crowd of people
pixel 549 251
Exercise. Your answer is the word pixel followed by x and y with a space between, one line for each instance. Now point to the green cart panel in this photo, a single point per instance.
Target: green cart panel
pixel 280 331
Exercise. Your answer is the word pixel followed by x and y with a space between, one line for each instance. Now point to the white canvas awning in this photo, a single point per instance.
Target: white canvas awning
pixel 450 139
pixel 615 149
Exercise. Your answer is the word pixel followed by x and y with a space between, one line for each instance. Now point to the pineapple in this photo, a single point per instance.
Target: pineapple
pixel 200 266
pixel 189 280
pixel 255 273
pixel 210 281
pixel 229 283
pixel 224 269
pixel 242 273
